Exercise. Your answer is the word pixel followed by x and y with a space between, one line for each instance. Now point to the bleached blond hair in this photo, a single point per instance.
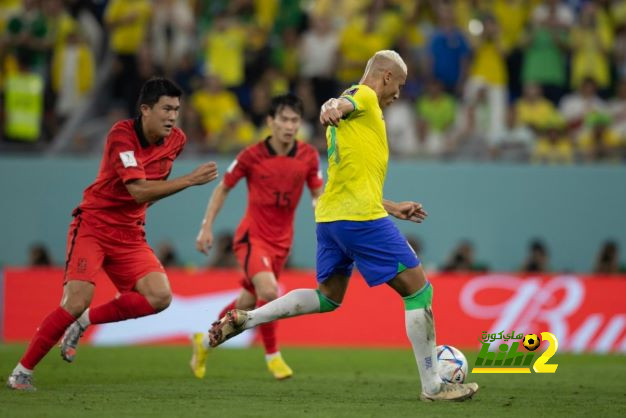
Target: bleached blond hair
pixel 387 55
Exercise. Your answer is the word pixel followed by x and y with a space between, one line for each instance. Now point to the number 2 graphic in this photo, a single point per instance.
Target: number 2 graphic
pixel 540 365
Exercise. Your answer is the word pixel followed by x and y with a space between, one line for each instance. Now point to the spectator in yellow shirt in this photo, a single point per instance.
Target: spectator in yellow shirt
pixel 128 22
pixel 358 41
pixel 215 106
pixel 599 142
pixel 591 43
pixel 225 49
pixel 533 109
pixel 512 16
pixel 554 147
pixel 489 69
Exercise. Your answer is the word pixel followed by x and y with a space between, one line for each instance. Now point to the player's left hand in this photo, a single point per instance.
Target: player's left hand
pixel 409 211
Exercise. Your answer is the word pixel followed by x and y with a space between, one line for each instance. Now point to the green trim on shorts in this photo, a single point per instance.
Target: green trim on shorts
pixel 421 299
pixel 401 267
pixel 326 305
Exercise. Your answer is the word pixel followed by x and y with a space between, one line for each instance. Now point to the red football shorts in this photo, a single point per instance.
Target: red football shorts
pixel 124 255
pixel 254 259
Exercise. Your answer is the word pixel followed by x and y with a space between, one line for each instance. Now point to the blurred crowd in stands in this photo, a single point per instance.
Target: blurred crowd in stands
pixel 512 80
pixel 462 258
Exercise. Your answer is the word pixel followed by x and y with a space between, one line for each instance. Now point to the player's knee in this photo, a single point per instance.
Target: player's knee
pixel 160 300
pixel 267 293
pixel 75 305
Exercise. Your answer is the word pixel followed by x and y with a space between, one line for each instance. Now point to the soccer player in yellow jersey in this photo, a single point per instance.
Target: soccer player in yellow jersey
pixel 353 226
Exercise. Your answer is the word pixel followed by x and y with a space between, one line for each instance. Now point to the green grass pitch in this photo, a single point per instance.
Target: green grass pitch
pixel 156 382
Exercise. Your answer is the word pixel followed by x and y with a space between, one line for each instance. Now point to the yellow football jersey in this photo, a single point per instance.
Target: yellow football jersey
pixel 357 162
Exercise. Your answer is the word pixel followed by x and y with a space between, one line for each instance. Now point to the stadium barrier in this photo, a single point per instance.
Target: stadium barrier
pixel 586 313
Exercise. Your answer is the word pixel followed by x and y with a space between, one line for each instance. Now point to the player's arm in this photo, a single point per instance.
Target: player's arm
pixel 334 109
pixel 315 195
pixel 409 211
pixel 204 240
pixel 145 191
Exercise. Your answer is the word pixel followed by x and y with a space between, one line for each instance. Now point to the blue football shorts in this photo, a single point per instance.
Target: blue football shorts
pixel 377 247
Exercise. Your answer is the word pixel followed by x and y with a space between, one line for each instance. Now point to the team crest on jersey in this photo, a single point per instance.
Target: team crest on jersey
pixel 128 159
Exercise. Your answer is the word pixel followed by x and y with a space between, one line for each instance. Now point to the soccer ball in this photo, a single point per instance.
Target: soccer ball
pixel 452 364
pixel 531 342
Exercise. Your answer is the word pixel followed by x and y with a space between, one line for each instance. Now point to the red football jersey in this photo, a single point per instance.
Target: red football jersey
pixel 275 184
pixel 128 156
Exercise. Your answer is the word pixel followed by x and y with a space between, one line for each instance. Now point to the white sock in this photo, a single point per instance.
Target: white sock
pixel 420 329
pixel 83 319
pixel 20 368
pixel 295 303
pixel 205 341
pixel 270 357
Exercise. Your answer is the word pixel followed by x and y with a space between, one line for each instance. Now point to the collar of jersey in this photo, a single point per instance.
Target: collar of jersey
pixel 272 151
pixel 142 139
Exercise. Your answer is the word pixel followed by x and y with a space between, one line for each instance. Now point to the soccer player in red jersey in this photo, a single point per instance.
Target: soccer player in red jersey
pixel 276 170
pixel 108 228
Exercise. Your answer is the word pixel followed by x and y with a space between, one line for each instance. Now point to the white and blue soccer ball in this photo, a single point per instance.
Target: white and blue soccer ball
pixel 452 364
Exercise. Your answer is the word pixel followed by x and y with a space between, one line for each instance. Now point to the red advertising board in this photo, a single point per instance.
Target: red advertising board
pixel 586 313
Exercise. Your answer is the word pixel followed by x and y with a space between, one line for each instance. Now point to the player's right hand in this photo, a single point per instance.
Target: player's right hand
pixel 330 113
pixel 204 241
pixel 410 211
pixel 204 173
